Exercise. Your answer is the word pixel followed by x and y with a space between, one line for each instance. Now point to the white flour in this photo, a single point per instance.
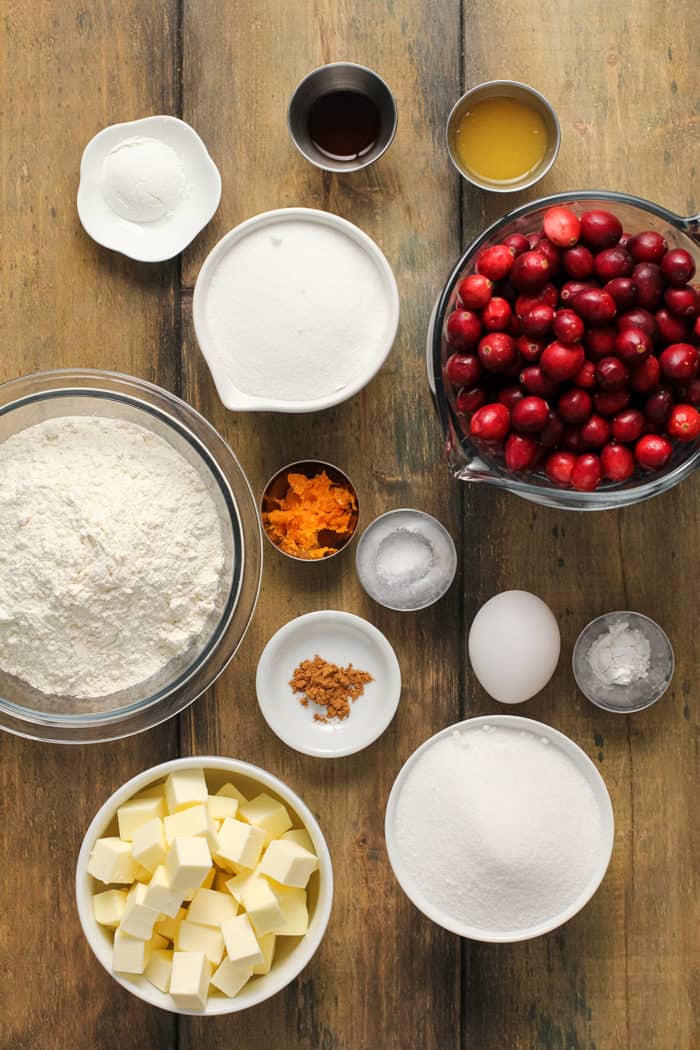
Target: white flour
pixel 498 828
pixel 142 179
pixel 110 555
pixel 621 655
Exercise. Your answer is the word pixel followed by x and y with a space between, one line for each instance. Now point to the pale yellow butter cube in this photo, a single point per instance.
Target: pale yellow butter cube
pixel 160 895
pixel 189 979
pixel 230 978
pixel 148 846
pixel 211 908
pixel 137 812
pixel 142 874
pixel 301 837
pixel 109 907
pixel 191 822
pixel 241 943
pixel 231 791
pixel 288 863
pixel 237 884
pixel 187 864
pixel 239 843
pixel 168 925
pixel 191 937
pixel 138 919
pixel 221 806
pixel 266 813
pixel 159 968
pixel 130 954
pixel 267 947
pixel 185 788
pixel 111 861
pixel 292 903
pixel 260 902
pixel 206 885
pixel 155 791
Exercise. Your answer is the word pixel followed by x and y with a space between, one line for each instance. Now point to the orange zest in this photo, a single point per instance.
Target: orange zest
pixel 313 519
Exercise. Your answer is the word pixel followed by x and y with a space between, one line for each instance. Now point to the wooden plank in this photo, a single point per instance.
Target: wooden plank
pixel 67 70
pixel 383 974
pixel 619 975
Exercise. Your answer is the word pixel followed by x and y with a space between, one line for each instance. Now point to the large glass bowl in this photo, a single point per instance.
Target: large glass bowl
pixel 469 463
pixel 31 713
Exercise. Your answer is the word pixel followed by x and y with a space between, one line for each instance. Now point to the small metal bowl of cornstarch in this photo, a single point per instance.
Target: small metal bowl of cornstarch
pixel 406 560
pixel 623 662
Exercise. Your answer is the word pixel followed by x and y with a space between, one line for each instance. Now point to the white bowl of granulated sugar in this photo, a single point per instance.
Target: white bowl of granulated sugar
pixel 499 828
pixel 294 310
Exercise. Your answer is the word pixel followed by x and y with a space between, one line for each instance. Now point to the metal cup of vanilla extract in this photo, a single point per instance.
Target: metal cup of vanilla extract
pixel 342 117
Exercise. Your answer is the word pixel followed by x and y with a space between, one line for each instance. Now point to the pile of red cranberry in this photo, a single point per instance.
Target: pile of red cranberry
pixel 576 349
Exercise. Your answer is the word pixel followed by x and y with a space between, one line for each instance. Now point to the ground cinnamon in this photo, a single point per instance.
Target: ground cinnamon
pixel 329 686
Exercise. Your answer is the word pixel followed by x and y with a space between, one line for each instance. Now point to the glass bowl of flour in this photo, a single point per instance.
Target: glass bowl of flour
pixel 130 555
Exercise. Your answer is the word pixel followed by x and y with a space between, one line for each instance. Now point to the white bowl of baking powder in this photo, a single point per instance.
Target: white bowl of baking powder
pixel 294 310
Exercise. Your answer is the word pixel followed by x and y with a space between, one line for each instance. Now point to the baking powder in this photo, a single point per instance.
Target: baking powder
pixel 620 656
pixel 142 179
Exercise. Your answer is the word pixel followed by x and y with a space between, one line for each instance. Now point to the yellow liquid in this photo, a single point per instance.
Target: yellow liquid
pixel 501 139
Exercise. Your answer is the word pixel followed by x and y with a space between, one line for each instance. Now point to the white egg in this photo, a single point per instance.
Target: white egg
pixel 514 646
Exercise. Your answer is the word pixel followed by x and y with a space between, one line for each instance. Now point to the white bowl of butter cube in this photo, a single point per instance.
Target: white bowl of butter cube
pixel 204 885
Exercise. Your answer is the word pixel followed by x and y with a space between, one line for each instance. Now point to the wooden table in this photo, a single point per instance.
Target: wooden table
pixel 624 81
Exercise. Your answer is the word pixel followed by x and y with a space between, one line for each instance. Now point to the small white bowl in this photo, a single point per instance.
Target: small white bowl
pixel 219 358
pixel 341 638
pixel 165 237
pixel 292 954
pixel 580 759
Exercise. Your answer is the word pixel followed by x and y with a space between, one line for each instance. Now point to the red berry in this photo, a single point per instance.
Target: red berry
pixel 517 243
pixel 600 342
pixel 575 405
pixel 495 262
pixel 684 423
pixel 679 361
pixel 611 374
pixel 617 462
pixel 587 472
pixel 571 438
pixel 561 226
pixel 627 426
pixel 561 362
pixel 553 253
pixel 610 402
pixel 474 291
pixel 568 326
pixel 696 328
pixel 612 263
pixel 690 391
pixel 533 240
pixel 529 349
pixel 551 435
pixel 678 267
pixel 600 229
pixel 509 395
pixel 595 432
pixel 623 291
pixel 559 466
pixel 463 369
pixel 531 271
pixel 469 400
pixel 463 329
pixel 491 423
pixel 530 415
pixel 570 290
pixel 646 375
pixel 537 322
pixel 647 247
pixel 497 352
pixel 682 301
pixel 657 407
pixel 536 382
pixel 639 318
pixel 578 262
pixel 496 315
pixel 650 285
pixel 672 329
pixel 521 452
pixel 515 327
pixel 652 451
pixel 585 377
pixel 632 345
pixel 595 306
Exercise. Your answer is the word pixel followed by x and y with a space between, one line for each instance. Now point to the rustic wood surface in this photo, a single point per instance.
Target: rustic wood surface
pixel 620 976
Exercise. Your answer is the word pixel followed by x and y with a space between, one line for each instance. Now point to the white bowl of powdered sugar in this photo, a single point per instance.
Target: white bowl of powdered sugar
pixel 499 828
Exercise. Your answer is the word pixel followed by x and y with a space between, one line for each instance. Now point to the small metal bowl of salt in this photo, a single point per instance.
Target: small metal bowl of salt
pixel 623 662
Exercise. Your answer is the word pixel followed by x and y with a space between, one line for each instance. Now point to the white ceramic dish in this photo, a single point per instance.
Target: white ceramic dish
pixel 584 765
pixel 291 957
pixel 168 236
pixel 218 358
pixel 340 638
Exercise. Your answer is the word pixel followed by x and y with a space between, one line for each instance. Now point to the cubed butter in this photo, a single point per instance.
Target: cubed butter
pixel 137 812
pixel 221 806
pixel 211 908
pixel 231 791
pixel 230 977
pixel 239 843
pixel 288 863
pixel 160 895
pixel 241 943
pixel 191 937
pixel 292 903
pixel 206 884
pixel 267 947
pixel 260 902
pixel 138 919
pixel 158 969
pixel 185 788
pixel 189 979
pixel 266 813
pixel 130 954
pixel 142 874
pixel 301 837
pixel 220 880
pixel 111 861
pixel 237 884
pixel 109 907
pixel 148 846
pixel 191 822
pixel 168 926
pixel 187 864
pixel 155 791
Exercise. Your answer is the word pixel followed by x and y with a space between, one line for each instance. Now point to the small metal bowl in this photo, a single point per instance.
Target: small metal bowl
pixel 278 486
pixel 341 76
pixel 521 93
pixel 638 695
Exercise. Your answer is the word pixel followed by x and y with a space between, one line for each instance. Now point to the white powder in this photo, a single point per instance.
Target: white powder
pixel 498 828
pixel 620 656
pixel 296 312
pixel 143 179
pixel 110 555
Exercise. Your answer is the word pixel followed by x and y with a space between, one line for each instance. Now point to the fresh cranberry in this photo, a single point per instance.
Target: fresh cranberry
pixel 623 290
pixel 533 239
pixel 650 285
pixel 575 405
pixel 463 369
pixel 568 326
pixel 553 253
pixel 678 267
pixel 570 289
pixel 639 318
pixel 632 345
pixel 652 451
pixel 627 426
pixel 612 263
pixel 551 435
pixel 600 342
pixel 611 374
pixel 536 382
pixel 495 262
pixel 530 415
pixel 617 462
pixel 696 328
pixel 600 229
pixel 679 361
pixel 463 329
pixel 517 243
pixel 690 391
pixel 561 226
pixel 469 400
pixel 585 377
pixel 529 349
pixel 521 452
pixel 578 262
pixel 497 352
pixel 625 239
pixel 657 407
pixel 537 322
pixel 595 432
pixel 595 306
pixel 509 395
pixel 610 402
pixel 531 271
pixel 682 301
pixel 684 423
pixel 646 376
pixel 647 247
pixel 474 291
pixel 571 438
pixel 491 423
pixel 587 472
pixel 672 329
pixel 561 362
pixel 558 467
pixel 496 315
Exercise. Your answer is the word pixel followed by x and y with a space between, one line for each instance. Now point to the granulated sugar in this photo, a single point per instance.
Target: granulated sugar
pixel 498 828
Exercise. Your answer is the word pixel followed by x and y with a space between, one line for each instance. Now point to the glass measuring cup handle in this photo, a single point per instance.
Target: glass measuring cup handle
pixel 691 226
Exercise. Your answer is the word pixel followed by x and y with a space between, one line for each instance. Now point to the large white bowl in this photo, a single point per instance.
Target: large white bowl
pixel 292 953
pixel 584 765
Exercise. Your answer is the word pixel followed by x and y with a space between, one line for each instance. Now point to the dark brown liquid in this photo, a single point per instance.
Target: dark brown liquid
pixel 344 125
